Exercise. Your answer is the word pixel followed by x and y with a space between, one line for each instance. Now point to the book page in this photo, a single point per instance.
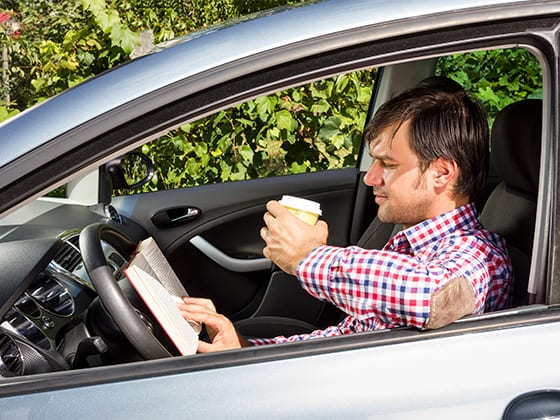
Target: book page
pixel 163 271
pixel 150 259
pixel 164 308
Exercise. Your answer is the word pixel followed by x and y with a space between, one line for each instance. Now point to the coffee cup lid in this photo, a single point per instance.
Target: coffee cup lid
pixel 301 204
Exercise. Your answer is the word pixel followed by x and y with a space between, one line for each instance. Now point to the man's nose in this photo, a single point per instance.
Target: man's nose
pixel 374 175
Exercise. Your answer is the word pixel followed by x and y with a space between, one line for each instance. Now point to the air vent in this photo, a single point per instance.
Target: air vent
pixel 11 359
pixel 69 256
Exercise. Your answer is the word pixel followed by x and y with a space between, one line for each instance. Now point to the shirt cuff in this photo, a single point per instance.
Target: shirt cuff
pixel 314 271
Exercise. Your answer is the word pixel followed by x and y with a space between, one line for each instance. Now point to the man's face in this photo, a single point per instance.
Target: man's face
pixel 401 190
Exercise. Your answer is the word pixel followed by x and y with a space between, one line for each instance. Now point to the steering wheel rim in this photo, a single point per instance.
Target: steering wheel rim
pixel 109 292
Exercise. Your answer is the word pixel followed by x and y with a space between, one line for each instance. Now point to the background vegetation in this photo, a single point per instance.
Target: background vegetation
pixel 52 45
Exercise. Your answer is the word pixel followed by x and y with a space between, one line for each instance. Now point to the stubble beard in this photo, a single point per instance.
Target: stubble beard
pixel 409 213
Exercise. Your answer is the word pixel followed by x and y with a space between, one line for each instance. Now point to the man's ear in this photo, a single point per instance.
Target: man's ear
pixel 445 173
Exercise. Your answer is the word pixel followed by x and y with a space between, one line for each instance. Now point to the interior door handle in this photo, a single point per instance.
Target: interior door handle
pixel 237 265
pixel 175 216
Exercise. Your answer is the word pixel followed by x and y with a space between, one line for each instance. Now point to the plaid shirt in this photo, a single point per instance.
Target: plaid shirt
pixel 392 287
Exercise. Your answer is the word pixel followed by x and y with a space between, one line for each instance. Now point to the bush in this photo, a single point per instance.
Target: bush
pixel 64 42
pixel 496 77
pixel 310 128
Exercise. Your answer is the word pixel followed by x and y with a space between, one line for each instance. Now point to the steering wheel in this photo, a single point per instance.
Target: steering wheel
pixel 109 292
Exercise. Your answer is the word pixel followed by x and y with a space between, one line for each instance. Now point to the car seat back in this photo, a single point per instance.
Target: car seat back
pixel 511 207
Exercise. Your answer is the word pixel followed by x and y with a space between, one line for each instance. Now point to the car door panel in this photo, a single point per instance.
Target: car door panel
pixel 267 382
pixel 230 216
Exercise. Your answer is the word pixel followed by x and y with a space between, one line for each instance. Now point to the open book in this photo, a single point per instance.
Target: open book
pixel 157 284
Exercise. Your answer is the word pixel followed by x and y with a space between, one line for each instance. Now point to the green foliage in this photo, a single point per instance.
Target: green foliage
pixel 6 112
pixel 496 77
pixel 304 129
pixel 168 19
pixel 62 43
pixel 109 22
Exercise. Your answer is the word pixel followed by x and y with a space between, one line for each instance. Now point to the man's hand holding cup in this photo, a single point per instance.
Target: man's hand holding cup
pixel 292 231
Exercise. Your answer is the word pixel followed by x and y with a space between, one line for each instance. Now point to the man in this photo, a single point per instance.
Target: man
pixel 430 150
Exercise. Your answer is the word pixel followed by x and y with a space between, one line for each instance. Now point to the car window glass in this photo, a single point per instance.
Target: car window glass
pixel 313 127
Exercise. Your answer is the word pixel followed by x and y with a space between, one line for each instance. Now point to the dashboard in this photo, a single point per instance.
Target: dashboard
pixel 50 316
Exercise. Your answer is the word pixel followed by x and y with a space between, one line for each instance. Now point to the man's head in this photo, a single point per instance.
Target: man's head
pixel 430 146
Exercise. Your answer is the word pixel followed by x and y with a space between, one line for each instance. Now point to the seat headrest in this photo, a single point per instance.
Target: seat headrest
pixel 516 145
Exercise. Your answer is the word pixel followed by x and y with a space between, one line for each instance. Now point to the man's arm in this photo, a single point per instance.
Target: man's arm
pixel 397 289
pixel 346 326
pixel 392 287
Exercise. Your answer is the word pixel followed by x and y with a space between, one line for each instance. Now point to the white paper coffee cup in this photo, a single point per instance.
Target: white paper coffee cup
pixel 306 210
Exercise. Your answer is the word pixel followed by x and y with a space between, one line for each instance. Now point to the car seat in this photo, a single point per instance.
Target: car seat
pixel 511 207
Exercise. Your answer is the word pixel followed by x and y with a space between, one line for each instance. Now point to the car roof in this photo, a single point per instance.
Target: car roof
pixel 295 32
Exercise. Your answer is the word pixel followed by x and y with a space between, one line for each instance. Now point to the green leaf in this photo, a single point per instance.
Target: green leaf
pixel 284 120
pixel 201 149
pixel 297 168
pixel 247 153
pixel 6 113
pixel 109 21
pixel 320 107
pixel 330 129
pixel 341 83
pixel 265 106
pixel 273 133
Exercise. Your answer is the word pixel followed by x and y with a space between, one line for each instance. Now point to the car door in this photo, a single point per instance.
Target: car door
pixel 210 232
pixel 218 254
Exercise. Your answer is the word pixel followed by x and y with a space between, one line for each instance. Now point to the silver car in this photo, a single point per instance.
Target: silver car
pixel 75 343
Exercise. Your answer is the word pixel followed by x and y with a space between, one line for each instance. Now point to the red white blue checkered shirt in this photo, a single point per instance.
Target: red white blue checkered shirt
pixel 392 287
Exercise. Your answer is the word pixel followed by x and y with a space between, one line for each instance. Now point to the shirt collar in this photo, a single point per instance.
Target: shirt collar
pixel 435 229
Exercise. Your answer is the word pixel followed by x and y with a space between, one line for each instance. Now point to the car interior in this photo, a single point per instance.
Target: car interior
pixel 54 319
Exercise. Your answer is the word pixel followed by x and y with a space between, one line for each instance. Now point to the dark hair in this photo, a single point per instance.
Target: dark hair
pixel 441 83
pixel 445 123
